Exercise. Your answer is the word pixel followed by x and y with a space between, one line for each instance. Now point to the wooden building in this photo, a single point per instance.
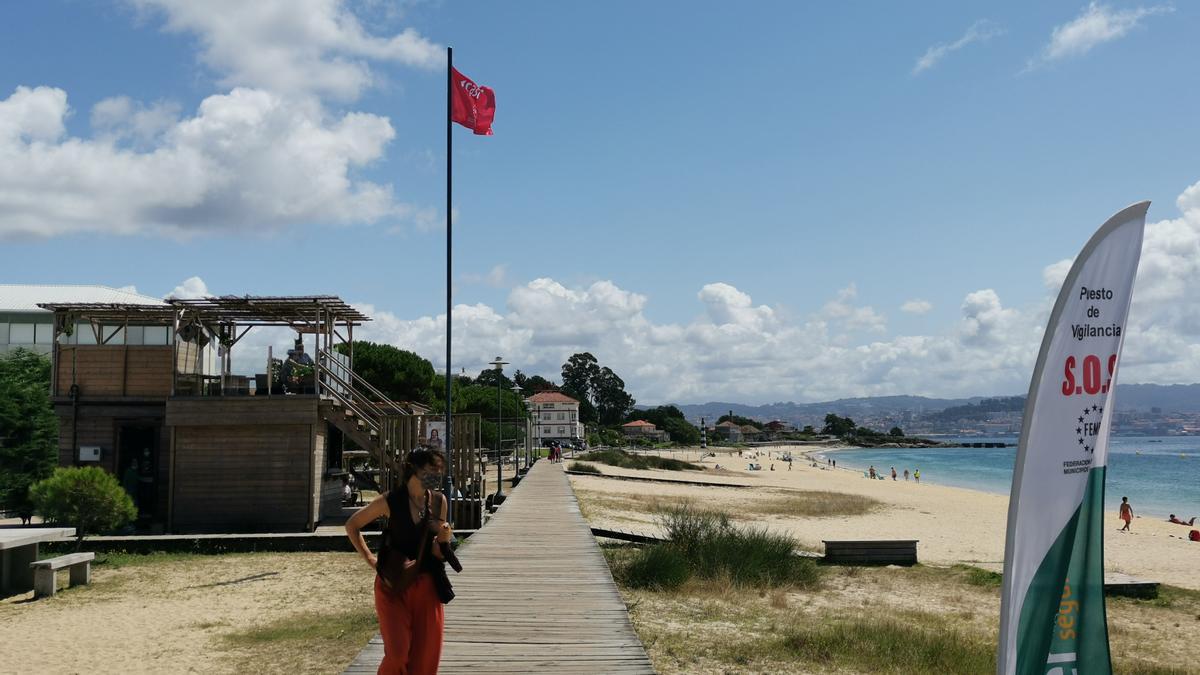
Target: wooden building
pixel 200 449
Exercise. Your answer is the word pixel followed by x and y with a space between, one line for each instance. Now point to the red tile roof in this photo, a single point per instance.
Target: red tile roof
pixel 551 397
pixel 638 423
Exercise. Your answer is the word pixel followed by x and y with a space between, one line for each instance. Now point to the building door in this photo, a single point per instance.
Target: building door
pixel 137 457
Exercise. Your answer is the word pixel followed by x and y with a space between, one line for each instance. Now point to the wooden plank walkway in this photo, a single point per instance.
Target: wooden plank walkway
pixel 535 594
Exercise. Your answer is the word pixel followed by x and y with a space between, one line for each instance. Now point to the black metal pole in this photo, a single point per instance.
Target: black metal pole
pixel 449 441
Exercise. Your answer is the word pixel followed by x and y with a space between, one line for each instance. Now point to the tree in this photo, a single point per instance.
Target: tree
pixel 401 375
pixel 737 419
pixel 671 420
pixel 838 426
pixel 481 399
pixel 896 431
pixel 28 427
pixel 612 401
pixel 587 411
pixel 579 375
pixel 536 383
pixel 808 430
pixel 488 377
pixel 87 498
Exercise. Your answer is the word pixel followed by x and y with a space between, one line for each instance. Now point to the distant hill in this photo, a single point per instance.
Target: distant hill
pixel 1139 397
pixel 812 413
pixel 1169 397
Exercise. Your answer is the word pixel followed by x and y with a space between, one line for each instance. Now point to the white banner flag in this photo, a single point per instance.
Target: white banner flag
pixel 1052 616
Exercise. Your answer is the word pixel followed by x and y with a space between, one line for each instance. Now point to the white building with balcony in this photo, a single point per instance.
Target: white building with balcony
pixel 555 417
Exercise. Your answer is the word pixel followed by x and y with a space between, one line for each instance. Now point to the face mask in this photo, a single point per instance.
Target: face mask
pixel 431 481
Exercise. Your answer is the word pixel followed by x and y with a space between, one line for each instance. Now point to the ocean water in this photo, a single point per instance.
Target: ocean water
pixel 1159 475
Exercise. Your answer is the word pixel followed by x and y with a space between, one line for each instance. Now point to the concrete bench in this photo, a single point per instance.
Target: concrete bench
pixel 877 552
pixel 45 572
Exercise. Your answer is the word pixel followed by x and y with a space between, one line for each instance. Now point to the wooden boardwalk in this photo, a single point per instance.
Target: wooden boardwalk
pixel 535 594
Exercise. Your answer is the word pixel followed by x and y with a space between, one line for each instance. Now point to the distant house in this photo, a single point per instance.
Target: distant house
pixel 555 417
pixel 776 428
pixel 751 433
pixel 729 432
pixel 644 429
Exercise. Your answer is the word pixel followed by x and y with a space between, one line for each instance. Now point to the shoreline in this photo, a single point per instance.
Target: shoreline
pixel 953 524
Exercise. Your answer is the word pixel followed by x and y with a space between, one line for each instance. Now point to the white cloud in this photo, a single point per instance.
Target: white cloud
pixel 497 277
pixel 980 31
pixel 1094 26
pixel 190 289
pixel 247 157
pixel 917 306
pixel 291 46
pixel 262 156
pixel 738 350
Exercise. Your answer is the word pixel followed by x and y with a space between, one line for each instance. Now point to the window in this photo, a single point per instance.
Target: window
pixel 135 335
pixel 21 334
pixel 572 417
pixel 44 333
pixel 115 335
pixel 562 430
pixel 545 431
pixel 84 335
pixel 156 335
pixel 562 416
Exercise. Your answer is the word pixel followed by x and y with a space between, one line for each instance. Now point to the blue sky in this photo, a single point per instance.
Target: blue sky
pixel 719 201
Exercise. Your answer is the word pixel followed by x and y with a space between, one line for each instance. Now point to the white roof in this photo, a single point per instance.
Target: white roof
pixel 25 297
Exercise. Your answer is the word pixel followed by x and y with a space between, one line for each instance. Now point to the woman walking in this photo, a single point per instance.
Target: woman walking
pixel 410 619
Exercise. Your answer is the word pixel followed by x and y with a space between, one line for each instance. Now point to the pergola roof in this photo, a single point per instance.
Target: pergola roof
pixel 247 310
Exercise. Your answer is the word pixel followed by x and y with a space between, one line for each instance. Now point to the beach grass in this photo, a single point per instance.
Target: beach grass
pixel 625 460
pixel 788 503
pixel 583 467
pixel 920 619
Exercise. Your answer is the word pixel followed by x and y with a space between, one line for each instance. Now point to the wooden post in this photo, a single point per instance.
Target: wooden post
pixel 174 349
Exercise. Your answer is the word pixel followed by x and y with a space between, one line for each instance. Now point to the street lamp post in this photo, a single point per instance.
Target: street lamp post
pixel 516 462
pixel 499 365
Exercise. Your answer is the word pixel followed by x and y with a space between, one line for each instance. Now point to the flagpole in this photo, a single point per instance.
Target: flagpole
pixel 449 444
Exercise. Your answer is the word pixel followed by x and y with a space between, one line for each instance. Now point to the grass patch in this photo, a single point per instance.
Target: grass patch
pixel 977 576
pixel 920 643
pixel 623 459
pixel 116 560
pixel 789 503
pixel 816 504
pixel 714 547
pixel 358 625
pixel 581 467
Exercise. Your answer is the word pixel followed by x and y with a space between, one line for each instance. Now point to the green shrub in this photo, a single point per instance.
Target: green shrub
pixel 580 467
pixel 87 498
pixel 625 460
pixel 714 547
pixel 658 567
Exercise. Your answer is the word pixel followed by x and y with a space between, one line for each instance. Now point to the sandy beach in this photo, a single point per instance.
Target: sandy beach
pixel 954 525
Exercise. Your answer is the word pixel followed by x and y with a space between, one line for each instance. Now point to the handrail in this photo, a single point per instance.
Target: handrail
pixel 368 414
pixel 359 379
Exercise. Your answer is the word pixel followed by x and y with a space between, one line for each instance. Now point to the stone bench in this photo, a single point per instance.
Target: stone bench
pixel 45 572
pixel 872 552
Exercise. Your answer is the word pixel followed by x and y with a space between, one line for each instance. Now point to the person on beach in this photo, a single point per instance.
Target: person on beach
pixel 1126 513
pixel 411 621
pixel 893 473
pixel 871 472
pixel 917 475
pixel 1177 521
pixel 906 474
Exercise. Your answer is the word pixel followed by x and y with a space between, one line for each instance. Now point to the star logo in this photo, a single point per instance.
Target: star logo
pixel 1089 427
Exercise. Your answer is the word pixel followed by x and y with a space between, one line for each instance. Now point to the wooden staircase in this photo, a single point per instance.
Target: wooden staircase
pixel 361 412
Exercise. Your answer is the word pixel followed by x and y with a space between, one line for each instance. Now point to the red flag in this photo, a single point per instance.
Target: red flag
pixel 473 106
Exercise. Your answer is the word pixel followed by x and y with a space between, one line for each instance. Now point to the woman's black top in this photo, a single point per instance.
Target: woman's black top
pixel 403 535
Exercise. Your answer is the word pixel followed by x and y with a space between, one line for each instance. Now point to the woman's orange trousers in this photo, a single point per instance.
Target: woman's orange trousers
pixel 411 624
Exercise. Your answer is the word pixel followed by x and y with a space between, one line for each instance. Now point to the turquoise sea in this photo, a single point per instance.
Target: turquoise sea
pixel 1159 475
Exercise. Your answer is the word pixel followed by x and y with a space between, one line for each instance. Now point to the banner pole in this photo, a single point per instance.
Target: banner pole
pixel 449 441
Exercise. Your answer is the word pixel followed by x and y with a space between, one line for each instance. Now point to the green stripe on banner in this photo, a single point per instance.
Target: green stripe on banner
pixel 1064 626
